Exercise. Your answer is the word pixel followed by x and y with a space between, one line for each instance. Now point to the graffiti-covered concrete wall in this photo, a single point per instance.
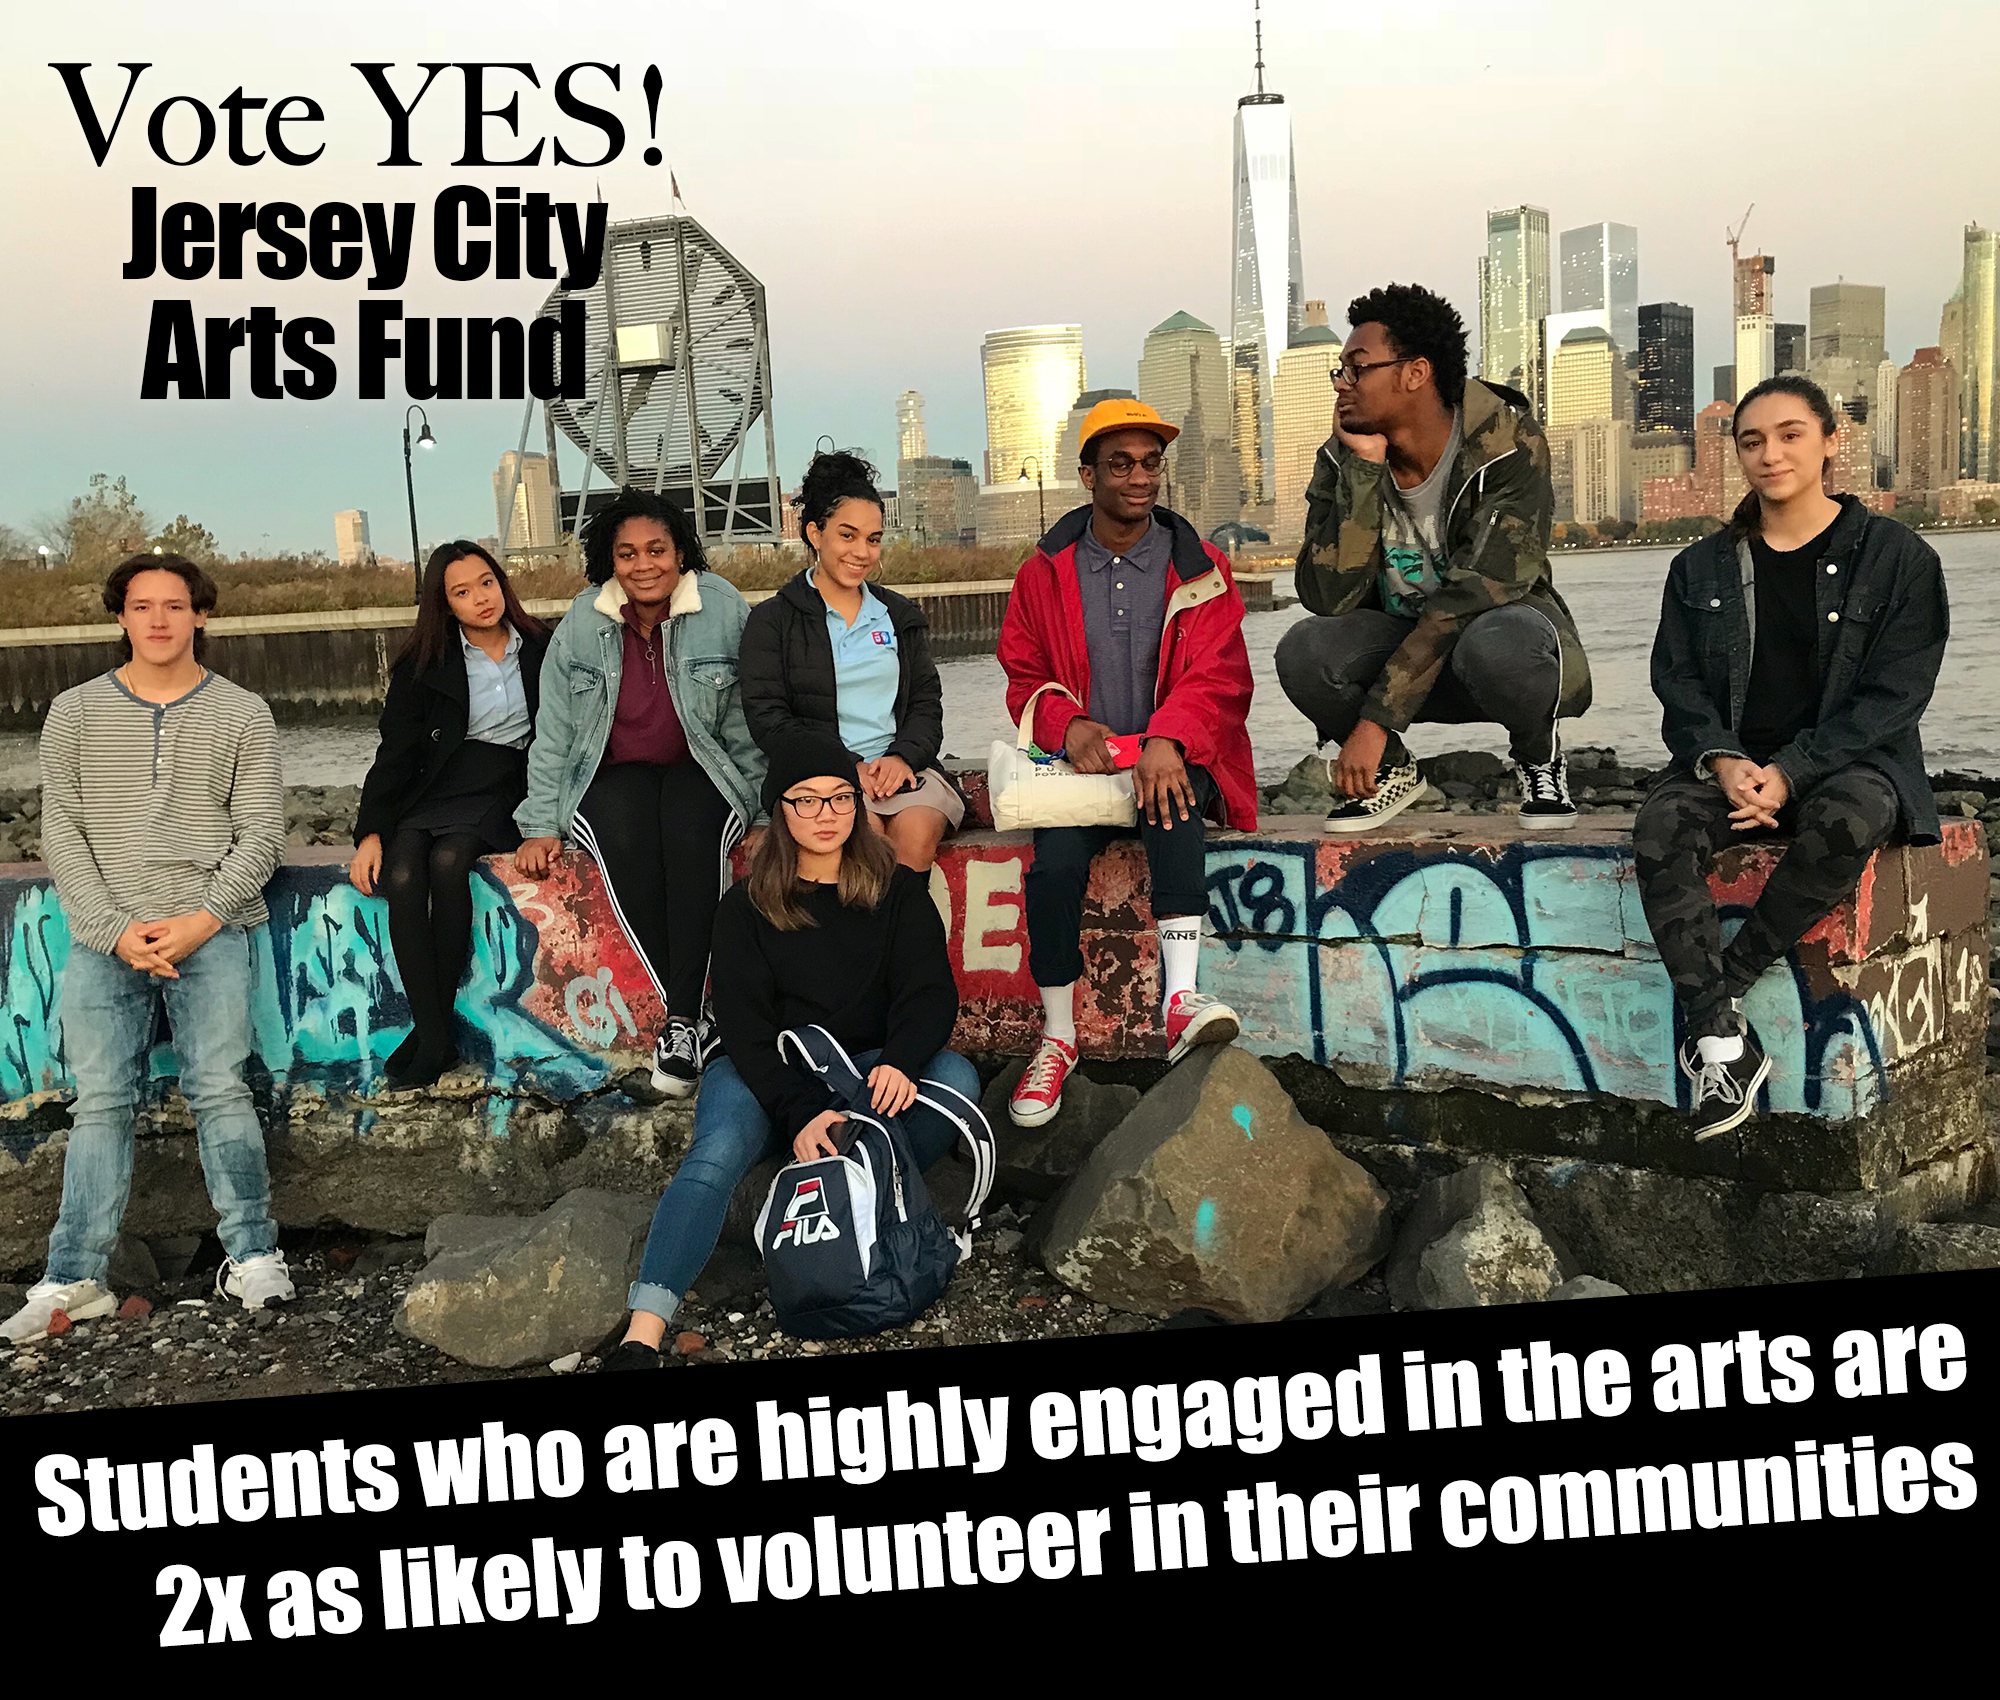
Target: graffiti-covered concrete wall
pixel 1457 953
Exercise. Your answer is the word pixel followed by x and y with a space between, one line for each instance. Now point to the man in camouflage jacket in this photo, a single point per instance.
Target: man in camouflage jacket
pixel 1425 558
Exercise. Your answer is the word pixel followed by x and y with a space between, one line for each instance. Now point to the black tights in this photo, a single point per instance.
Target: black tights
pixel 427 880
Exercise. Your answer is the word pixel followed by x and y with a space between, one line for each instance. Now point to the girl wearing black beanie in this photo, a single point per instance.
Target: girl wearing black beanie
pixel 828 930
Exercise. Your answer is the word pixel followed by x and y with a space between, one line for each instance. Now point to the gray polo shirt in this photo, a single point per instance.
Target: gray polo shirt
pixel 1124 609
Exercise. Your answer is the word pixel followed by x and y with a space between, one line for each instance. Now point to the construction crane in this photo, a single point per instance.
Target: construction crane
pixel 1735 236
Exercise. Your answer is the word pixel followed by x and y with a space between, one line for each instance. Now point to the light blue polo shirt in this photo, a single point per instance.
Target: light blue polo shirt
pixel 496 695
pixel 866 673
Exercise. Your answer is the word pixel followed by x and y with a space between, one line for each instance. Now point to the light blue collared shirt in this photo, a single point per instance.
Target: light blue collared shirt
pixel 867 672
pixel 496 695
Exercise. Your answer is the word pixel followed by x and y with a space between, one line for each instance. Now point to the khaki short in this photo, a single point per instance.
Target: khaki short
pixel 931 791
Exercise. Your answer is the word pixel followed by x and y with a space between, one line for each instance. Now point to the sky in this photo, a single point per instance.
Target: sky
pixel 904 177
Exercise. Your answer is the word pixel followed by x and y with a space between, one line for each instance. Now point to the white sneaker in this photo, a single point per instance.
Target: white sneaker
pixel 78 1300
pixel 257 1281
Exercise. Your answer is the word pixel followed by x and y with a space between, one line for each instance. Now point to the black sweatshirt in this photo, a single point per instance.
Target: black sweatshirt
pixel 874 979
pixel 1783 696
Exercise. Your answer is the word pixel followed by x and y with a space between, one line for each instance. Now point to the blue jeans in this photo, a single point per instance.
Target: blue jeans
pixel 108 1013
pixel 731 1136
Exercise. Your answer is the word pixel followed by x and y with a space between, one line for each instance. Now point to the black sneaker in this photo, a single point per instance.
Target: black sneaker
pixel 1545 799
pixel 707 1037
pixel 1725 1094
pixel 630 1354
pixel 677 1059
pixel 1396 788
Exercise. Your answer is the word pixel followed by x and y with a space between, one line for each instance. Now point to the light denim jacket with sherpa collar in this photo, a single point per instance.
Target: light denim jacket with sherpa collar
pixel 703 628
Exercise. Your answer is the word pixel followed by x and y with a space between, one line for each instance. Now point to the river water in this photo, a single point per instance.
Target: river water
pixel 1615 597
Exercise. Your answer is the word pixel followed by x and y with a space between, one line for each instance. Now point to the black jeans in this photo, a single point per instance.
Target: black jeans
pixel 427 883
pixel 1176 863
pixel 659 836
pixel 1506 668
pixel 1835 828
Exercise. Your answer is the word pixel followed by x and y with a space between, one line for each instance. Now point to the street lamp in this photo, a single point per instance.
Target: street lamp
pixel 1041 502
pixel 424 441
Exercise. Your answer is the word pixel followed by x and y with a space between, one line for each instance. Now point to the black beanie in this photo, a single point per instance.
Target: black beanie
pixel 814 754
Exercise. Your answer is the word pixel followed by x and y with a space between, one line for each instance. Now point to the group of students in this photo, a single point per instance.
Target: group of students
pixel 663 722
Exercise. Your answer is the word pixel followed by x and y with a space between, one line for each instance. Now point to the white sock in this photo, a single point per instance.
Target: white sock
pixel 1180 946
pixel 1719 1048
pixel 1059 1012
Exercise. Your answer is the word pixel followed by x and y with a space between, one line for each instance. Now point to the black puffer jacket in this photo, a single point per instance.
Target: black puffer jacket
pixel 1879 598
pixel 785 672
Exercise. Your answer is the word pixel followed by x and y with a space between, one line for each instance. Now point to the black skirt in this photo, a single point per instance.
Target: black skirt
pixel 476 791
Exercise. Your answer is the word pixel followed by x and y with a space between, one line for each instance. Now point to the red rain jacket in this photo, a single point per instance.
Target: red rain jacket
pixel 1203 693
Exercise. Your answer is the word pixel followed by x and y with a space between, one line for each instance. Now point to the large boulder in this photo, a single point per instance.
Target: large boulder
pixel 1032 1163
pixel 1216 1194
pixel 502 1291
pixel 1470 1239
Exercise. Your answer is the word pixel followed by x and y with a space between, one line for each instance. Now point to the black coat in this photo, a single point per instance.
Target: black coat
pixel 424 720
pixel 1882 619
pixel 785 671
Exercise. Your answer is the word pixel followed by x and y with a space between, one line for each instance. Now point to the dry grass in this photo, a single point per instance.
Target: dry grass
pixel 68 596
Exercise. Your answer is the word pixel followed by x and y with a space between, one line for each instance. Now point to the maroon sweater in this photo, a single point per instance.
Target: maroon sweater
pixel 644 727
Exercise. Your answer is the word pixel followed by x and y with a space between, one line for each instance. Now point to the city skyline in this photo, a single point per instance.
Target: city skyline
pixel 973 122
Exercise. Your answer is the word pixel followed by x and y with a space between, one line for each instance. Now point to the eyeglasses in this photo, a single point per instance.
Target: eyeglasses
pixel 1121 465
pixel 1348 373
pixel 808 807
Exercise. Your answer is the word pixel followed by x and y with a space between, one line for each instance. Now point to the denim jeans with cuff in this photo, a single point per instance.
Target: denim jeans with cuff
pixel 108 1013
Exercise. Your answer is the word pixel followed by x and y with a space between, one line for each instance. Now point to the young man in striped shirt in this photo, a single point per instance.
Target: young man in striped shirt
pixel 163 814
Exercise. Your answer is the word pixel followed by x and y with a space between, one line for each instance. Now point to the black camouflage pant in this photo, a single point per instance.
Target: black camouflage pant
pixel 1834 828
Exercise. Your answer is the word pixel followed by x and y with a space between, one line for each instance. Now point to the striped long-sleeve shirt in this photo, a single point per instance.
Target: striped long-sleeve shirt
pixel 158 809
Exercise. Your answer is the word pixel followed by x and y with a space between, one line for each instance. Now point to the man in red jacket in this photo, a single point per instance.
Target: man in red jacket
pixel 1130 613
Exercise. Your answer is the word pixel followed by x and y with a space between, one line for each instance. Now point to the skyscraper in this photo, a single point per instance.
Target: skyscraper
pixel 1550 335
pixel 1756 325
pixel 1267 290
pixel 1979 357
pixel 350 538
pixel 1032 373
pixel 1927 434
pixel 1788 348
pixel 1882 420
pixel 912 442
pixel 1514 299
pixel 1600 268
pixel 1302 420
pixel 1587 378
pixel 1665 379
pixel 939 499
pixel 1184 376
pixel 1600 471
pixel 1844 321
pixel 532 521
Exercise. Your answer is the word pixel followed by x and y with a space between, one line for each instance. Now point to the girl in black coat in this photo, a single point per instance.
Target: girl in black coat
pixel 832 651
pixel 451 769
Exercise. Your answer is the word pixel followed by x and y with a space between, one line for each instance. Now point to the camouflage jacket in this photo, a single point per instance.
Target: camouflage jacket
pixel 1498 502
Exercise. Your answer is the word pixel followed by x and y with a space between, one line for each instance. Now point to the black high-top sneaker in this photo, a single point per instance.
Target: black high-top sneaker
pixel 1396 788
pixel 677 1059
pixel 1545 799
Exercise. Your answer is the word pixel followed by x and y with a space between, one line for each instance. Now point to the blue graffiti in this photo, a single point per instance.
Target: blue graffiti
pixel 328 1004
pixel 1521 965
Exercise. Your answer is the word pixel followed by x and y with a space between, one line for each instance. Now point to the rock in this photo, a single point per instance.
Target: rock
pixel 388 1254
pixel 1306 790
pixel 1461 767
pixel 1934 1248
pixel 1126 1323
pixel 1032 1163
pixel 1470 1239
pixel 1588 1287
pixel 732 1273
pixel 1347 1301
pixel 136 1308
pixel 132 1265
pixel 59 1323
pixel 504 1291
pixel 688 1343
pixel 566 1363
pixel 1215 1193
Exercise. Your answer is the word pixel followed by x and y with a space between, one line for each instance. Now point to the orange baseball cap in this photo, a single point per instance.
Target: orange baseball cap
pixel 1124 414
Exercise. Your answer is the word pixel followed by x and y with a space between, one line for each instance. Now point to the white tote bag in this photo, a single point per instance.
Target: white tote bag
pixel 1028 793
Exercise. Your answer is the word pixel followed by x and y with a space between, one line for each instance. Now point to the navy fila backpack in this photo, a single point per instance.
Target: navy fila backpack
pixel 853 1244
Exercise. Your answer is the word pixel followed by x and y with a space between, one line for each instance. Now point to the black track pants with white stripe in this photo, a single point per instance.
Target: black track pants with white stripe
pixel 660 837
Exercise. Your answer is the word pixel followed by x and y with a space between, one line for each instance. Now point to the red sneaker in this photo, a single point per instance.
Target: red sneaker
pixel 1195 1018
pixel 1038 1095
